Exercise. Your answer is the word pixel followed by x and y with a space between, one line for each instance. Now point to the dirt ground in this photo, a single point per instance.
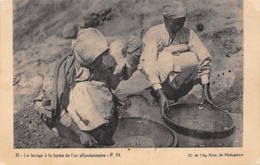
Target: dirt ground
pixel 38 42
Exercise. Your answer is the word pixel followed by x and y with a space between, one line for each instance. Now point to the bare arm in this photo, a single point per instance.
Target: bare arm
pixel 149 54
pixel 204 57
pixel 85 139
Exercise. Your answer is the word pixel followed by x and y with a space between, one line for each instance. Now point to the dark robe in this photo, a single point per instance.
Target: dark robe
pixel 64 76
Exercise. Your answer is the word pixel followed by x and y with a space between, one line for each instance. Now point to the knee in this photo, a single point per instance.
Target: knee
pixel 188 53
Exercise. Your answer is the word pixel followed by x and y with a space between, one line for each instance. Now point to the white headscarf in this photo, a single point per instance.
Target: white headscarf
pixel 174 10
pixel 89 45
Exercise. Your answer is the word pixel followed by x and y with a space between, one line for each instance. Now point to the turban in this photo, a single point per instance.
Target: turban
pixel 89 45
pixel 175 10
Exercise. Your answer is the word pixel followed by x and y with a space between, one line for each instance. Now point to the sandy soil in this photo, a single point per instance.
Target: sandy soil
pixel 38 42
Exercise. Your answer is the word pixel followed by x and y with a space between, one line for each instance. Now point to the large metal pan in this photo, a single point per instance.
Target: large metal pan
pixel 198 125
pixel 135 132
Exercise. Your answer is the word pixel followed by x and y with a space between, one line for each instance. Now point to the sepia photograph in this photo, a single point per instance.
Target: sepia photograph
pixel 129 82
pixel 128 73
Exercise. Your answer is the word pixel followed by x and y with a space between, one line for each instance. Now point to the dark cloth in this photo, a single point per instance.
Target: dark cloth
pixel 104 133
pixel 173 94
pixel 64 76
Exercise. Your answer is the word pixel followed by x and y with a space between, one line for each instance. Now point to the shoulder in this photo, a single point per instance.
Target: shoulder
pixel 187 33
pixel 65 57
pixel 156 31
pixel 68 57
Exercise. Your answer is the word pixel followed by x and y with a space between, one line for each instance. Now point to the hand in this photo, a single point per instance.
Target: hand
pixel 206 96
pixel 126 104
pixel 87 140
pixel 163 101
pixel 123 107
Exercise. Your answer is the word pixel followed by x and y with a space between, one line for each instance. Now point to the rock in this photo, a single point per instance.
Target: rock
pixel 70 31
pixel 16 80
pixel 136 83
pixel 89 19
pixel 227 41
pixel 82 24
pixel 95 18
pixel 200 27
pixel 36 82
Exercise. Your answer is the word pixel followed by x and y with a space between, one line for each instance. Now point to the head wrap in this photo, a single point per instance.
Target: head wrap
pixel 89 45
pixel 134 43
pixel 174 10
